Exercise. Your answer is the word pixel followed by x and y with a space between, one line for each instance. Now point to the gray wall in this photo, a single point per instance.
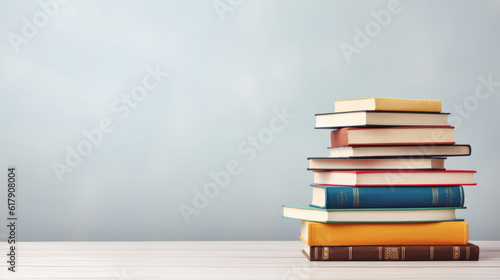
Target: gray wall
pixel 231 74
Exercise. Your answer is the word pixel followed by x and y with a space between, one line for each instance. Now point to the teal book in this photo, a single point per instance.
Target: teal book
pixel 334 197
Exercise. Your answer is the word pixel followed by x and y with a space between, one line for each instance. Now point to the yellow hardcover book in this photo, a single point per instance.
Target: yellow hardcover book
pixel 387 104
pixel 353 234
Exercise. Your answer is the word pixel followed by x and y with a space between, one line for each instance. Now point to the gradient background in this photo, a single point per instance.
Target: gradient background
pixel 227 78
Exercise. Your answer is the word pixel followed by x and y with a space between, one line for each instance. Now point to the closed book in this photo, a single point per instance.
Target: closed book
pixel 394 178
pixel 332 197
pixel 396 234
pixel 397 163
pixel 370 215
pixel 387 104
pixel 400 151
pixel 402 135
pixel 377 118
pixel 469 252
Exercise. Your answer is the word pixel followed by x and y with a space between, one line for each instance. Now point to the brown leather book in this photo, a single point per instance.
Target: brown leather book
pixel 404 135
pixel 468 252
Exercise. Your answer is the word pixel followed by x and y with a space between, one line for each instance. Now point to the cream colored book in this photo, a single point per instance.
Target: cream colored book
pixel 387 104
pixel 370 215
pixel 380 118
pixel 397 163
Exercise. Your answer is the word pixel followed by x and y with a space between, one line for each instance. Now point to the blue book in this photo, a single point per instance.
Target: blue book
pixel 334 197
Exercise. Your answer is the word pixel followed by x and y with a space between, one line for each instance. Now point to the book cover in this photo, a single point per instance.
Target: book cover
pixel 376 163
pixel 396 234
pixel 379 118
pixel 396 178
pixel 401 135
pixel 469 252
pixel 332 197
pixel 387 104
pixel 370 215
pixel 367 151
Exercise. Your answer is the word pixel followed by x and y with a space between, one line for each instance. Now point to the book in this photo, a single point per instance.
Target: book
pixel 370 215
pixel 332 197
pixel 398 163
pixel 400 150
pixel 403 135
pixel 387 104
pixel 469 252
pixel 394 178
pixel 378 118
pixel 397 234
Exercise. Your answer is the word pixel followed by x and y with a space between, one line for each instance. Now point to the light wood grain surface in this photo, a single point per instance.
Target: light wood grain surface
pixel 222 260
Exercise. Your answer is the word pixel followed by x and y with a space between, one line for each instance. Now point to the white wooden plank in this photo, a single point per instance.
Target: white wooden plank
pixel 224 260
pixel 252 273
pixel 488 259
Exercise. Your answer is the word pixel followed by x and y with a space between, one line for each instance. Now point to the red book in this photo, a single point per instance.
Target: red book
pixel 395 178
pixel 403 135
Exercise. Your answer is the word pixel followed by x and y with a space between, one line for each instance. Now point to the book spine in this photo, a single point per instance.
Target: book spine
pixel 396 234
pixel 393 197
pixel 468 252
pixel 339 138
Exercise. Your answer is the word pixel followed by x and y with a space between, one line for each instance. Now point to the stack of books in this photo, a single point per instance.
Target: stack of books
pixel 383 192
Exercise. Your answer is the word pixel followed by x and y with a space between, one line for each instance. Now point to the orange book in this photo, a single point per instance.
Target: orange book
pixel 357 234
pixel 387 104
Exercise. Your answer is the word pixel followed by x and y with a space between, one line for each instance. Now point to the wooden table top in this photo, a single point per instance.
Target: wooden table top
pixel 223 260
